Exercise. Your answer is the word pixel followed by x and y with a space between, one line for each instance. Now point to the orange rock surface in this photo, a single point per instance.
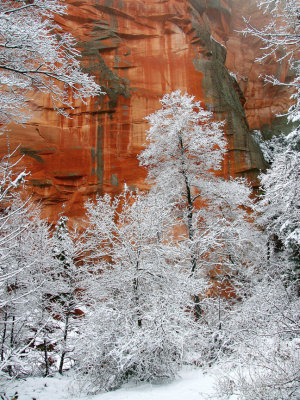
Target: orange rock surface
pixel 139 50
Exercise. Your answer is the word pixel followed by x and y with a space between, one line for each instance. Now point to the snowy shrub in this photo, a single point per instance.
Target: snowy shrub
pixel 141 325
pixel 265 347
pixel 118 350
pixel 268 370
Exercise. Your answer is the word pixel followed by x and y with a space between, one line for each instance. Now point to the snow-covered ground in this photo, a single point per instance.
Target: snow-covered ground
pixel 191 385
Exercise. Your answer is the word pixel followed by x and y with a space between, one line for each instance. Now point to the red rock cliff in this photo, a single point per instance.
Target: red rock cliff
pixel 140 50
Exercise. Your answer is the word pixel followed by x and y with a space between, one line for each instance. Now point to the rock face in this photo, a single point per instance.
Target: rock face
pixel 139 50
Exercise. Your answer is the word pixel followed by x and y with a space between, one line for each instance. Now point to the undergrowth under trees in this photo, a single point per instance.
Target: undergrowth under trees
pixel 140 325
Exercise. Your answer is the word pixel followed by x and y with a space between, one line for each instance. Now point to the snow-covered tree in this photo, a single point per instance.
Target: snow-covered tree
pixel 38 281
pixel 265 345
pixel 41 297
pixel 281 39
pixel 25 251
pixel 141 326
pixel 275 355
pixel 185 148
pixel 185 145
pixel 279 204
pixel 66 289
pixel 36 55
pixel 280 201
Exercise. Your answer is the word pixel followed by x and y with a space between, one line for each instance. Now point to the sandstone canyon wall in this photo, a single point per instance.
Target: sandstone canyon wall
pixel 139 50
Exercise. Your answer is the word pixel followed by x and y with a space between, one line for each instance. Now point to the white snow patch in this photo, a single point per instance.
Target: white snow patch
pixel 192 384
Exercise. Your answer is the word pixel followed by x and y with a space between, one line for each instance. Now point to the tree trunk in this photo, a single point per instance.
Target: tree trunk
pixel 190 205
pixel 64 352
pixel 136 297
pixel 46 358
pixel 4 335
pixel 12 338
